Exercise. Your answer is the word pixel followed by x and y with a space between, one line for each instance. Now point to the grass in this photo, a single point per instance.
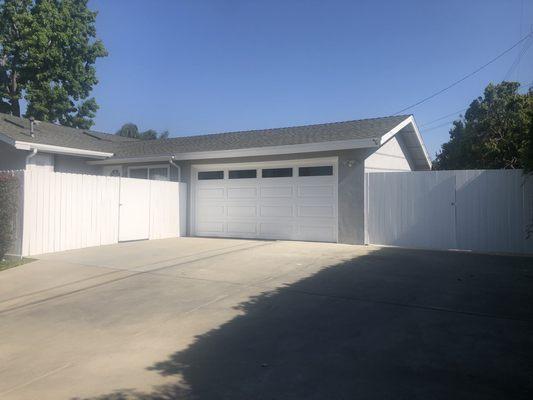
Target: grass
pixel 11 263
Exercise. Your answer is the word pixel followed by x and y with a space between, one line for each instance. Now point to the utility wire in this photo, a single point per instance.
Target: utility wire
pixel 466 76
pixel 518 59
pixel 528 85
pixel 439 126
pixel 444 116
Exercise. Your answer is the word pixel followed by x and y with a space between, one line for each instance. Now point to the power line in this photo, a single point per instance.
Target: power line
pixel 466 76
pixel 444 116
pixel 518 59
pixel 439 126
pixel 529 85
pixel 521 26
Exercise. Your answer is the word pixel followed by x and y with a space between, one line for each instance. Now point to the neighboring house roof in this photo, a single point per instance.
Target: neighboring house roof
pixel 337 135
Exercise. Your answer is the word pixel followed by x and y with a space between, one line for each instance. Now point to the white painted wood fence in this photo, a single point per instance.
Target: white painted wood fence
pixel 64 211
pixel 480 210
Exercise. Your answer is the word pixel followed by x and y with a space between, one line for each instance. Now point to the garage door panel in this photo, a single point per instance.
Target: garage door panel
pixel 316 191
pixel 242 211
pixel 210 227
pixel 210 193
pixel 207 211
pixel 276 191
pixel 276 230
pixel 326 211
pixel 235 228
pixel 317 233
pixel 245 193
pixel 276 211
pixel 286 208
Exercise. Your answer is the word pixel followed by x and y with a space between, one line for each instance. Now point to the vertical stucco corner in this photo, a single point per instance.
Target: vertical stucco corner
pixel 352 196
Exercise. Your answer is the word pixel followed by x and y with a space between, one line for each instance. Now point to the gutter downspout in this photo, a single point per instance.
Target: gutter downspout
pixel 171 161
pixel 30 156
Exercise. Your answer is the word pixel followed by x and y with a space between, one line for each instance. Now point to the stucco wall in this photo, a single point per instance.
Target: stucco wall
pixel 351 187
pixel 43 161
pixel 390 157
pixel 10 158
pixel 75 165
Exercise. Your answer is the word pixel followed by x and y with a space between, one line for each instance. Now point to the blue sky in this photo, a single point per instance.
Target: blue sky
pixel 193 67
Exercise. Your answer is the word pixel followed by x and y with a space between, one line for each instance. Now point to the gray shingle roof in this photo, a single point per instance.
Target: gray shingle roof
pixel 359 129
pixel 52 134
pixel 46 133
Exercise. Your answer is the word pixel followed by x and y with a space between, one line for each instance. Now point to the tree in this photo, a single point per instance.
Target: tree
pixel 48 49
pixel 131 130
pixel 495 132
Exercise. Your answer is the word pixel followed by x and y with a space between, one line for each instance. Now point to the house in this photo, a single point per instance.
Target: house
pixel 300 183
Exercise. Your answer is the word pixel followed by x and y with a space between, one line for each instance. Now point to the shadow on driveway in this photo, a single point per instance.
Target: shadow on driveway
pixel 393 324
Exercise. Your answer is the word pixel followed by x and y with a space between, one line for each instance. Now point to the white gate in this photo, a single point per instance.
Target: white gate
pixel 134 216
pixel 69 211
pixel 481 210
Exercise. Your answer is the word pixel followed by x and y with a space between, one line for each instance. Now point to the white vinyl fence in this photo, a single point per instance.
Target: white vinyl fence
pixel 62 211
pixel 480 210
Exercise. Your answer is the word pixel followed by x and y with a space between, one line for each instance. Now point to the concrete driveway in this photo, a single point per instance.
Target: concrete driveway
pixel 234 319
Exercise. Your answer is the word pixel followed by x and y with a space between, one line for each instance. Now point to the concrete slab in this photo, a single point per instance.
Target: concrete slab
pixel 142 254
pixel 234 319
pixel 42 275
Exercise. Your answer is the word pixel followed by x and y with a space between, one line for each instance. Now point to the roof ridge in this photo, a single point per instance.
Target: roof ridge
pixel 286 127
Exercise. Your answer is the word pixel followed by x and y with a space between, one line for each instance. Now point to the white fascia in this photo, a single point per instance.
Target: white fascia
pixel 70 151
pixel 396 129
pixel 275 150
pixel 251 152
pixel 409 120
pixel 419 137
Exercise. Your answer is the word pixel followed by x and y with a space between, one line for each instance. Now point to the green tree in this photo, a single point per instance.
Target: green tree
pixel 48 49
pixel 131 130
pixel 495 132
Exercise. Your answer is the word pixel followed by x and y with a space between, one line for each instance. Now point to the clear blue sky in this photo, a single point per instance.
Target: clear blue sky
pixel 202 66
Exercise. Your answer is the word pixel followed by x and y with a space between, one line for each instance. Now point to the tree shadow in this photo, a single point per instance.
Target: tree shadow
pixel 393 324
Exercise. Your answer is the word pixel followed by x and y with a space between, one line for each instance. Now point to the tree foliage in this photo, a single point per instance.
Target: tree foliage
pixel 48 49
pixel 8 210
pixel 495 132
pixel 132 131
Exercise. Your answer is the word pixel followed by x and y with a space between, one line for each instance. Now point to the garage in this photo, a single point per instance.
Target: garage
pixel 292 200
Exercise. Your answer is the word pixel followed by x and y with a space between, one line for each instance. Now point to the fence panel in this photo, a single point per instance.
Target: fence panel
pixel 68 211
pixel 164 210
pixel 63 211
pixel 411 209
pixel 481 210
pixel 490 210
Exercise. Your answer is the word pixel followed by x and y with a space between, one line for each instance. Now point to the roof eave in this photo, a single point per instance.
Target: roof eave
pixel 253 151
pixel 410 120
pixel 71 151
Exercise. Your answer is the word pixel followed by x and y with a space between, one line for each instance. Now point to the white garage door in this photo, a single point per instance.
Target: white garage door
pixel 295 200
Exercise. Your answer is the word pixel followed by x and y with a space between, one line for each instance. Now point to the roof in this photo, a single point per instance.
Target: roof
pixel 336 131
pixel 47 134
pixel 18 129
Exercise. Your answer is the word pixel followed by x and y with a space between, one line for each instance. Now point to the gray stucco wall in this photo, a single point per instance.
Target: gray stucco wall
pixel 75 165
pixel 11 158
pixel 351 187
